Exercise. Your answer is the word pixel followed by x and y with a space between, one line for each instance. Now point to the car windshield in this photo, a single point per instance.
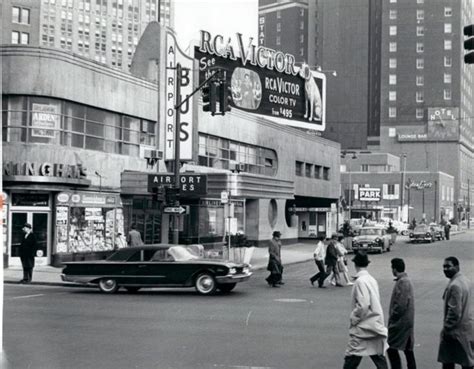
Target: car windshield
pixel 421 228
pixel 370 232
pixel 180 253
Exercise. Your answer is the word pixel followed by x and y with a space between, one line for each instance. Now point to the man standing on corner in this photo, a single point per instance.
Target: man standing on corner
pixel 27 253
pixel 367 332
pixel 456 341
pixel 275 267
pixel 401 319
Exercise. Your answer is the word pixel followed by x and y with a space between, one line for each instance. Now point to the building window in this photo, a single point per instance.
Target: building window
pixel 420 1
pixel 317 171
pixel 420 30
pixel 448 61
pixel 392 96
pixel 308 168
pixel 20 15
pixel 448 28
pixel 420 96
pixel 392 112
pixel 392 62
pixel 15 37
pixel 299 169
pixel 420 14
pixel 393 14
pixel 420 80
pixel 392 47
pixel 326 173
pixel 301 38
pixel 302 25
pixel 447 94
pixel 420 63
pixel 278 27
pixel 278 14
pixel 393 30
pixel 420 47
pixel 25 38
pixel 447 78
pixel 419 113
pixel 448 44
pixel 278 40
pixel 393 1
pixel 448 11
pixel 392 79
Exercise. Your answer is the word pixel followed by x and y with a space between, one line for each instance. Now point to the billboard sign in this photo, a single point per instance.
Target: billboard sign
pixel 265 81
pixel 369 194
pixel 44 120
pixel 173 56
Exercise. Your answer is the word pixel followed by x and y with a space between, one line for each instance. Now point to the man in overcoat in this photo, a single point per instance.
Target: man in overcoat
pixel 401 319
pixel 275 267
pixel 27 253
pixel 367 332
pixel 456 341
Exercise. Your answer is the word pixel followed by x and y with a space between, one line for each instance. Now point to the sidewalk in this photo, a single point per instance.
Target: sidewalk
pixel 49 275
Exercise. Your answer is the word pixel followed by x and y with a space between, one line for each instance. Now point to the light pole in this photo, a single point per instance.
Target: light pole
pixel 349 167
pixel 402 188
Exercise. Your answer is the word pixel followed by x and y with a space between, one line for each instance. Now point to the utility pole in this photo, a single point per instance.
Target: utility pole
pixel 402 188
pixel 469 203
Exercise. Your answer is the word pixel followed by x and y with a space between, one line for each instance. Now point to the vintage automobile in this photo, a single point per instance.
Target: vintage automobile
pixel 160 265
pixel 438 231
pixel 372 239
pixel 422 232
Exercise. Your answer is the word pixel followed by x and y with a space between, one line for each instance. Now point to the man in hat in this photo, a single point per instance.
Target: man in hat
pixel 27 253
pixel 457 341
pixel 275 267
pixel 367 332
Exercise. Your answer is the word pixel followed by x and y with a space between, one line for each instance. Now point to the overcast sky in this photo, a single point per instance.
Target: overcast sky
pixel 225 17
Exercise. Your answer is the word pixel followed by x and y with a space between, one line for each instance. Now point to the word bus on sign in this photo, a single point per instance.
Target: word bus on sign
pixel 369 194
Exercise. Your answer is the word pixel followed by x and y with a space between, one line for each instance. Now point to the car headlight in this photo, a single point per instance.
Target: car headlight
pixel 411 235
pixel 232 271
pixel 246 270
pixel 428 234
pixel 378 240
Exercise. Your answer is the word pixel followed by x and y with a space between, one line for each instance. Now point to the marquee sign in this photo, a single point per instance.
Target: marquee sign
pixel 265 81
pixel 369 194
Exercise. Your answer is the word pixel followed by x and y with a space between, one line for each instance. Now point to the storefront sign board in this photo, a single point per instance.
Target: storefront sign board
pixel 189 183
pixel 369 194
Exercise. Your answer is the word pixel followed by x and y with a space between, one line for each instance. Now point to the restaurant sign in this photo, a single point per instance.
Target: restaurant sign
pixel 265 81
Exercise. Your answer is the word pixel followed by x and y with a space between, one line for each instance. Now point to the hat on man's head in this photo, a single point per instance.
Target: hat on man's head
pixel 334 236
pixel 361 259
pixel 276 234
pixel 27 225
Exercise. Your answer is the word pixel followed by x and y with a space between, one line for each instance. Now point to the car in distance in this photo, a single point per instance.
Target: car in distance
pixel 438 231
pixel 159 265
pixel 422 232
pixel 372 239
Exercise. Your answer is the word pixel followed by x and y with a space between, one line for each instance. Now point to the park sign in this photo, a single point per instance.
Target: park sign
pixel 264 81
pixel 369 194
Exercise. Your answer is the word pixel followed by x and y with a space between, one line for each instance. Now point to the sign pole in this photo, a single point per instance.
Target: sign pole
pixel 176 151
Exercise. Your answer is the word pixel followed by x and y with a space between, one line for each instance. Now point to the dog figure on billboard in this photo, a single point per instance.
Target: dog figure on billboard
pixel 312 95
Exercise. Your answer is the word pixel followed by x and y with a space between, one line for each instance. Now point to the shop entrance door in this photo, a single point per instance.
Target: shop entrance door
pixel 39 221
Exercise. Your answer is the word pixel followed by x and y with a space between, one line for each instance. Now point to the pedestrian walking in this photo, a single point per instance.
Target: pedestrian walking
pixel 275 267
pixel 342 261
pixel 332 254
pixel 367 332
pixel 401 320
pixel 456 341
pixel 319 254
pixel 27 253
pixel 134 237
pixel 447 229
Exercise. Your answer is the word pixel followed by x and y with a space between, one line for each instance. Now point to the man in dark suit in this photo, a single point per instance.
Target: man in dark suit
pixel 27 253
pixel 275 267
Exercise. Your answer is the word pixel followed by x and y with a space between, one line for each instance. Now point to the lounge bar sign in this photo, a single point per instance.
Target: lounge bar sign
pixel 265 81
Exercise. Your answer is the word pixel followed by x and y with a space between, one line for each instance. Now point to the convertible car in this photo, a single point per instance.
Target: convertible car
pixel 157 266
pixel 422 232
pixel 372 239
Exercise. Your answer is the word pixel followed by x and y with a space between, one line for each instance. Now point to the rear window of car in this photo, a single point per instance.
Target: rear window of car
pixel 122 255
pixel 421 228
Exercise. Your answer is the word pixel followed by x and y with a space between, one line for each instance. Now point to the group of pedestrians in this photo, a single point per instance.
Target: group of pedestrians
pixel 368 335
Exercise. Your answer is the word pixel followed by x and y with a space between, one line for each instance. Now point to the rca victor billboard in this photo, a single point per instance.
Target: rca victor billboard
pixel 264 81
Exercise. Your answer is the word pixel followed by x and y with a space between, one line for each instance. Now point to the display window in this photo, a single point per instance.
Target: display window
pixel 88 222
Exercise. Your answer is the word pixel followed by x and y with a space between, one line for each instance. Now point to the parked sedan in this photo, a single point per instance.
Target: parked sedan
pixel 157 266
pixel 422 232
pixel 372 239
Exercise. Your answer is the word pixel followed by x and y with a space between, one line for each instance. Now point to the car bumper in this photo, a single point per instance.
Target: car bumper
pixel 420 238
pixel 366 247
pixel 78 278
pixel 233 278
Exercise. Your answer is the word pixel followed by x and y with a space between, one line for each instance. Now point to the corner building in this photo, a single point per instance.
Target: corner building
pixel 76 135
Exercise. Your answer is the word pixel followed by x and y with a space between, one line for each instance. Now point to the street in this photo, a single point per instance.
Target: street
pixel 296 326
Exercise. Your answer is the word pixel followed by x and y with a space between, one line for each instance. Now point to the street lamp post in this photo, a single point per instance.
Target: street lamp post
pixel 402 188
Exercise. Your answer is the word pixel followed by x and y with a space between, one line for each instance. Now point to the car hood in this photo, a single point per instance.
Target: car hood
pixel 366 238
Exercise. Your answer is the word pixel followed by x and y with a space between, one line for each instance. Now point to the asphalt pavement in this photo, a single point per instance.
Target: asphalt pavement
pixel 291 254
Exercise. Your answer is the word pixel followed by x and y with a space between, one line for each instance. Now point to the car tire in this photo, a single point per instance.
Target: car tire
pixel 132 289
pixel 205 284
pixel 226 287
pixel 108 285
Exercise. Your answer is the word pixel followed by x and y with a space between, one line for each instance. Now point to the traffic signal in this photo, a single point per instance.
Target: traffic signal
pixel 209 95
pixel 469 44
pixel 225 97
pixel 171 196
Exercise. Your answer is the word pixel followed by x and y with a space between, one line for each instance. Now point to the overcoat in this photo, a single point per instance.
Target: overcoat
pixel 28 251
pixel 274 260
pixel 367 332
pixel 457 341
pixel 401 320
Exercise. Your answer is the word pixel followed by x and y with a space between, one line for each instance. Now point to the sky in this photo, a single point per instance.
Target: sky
pixel 224 17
